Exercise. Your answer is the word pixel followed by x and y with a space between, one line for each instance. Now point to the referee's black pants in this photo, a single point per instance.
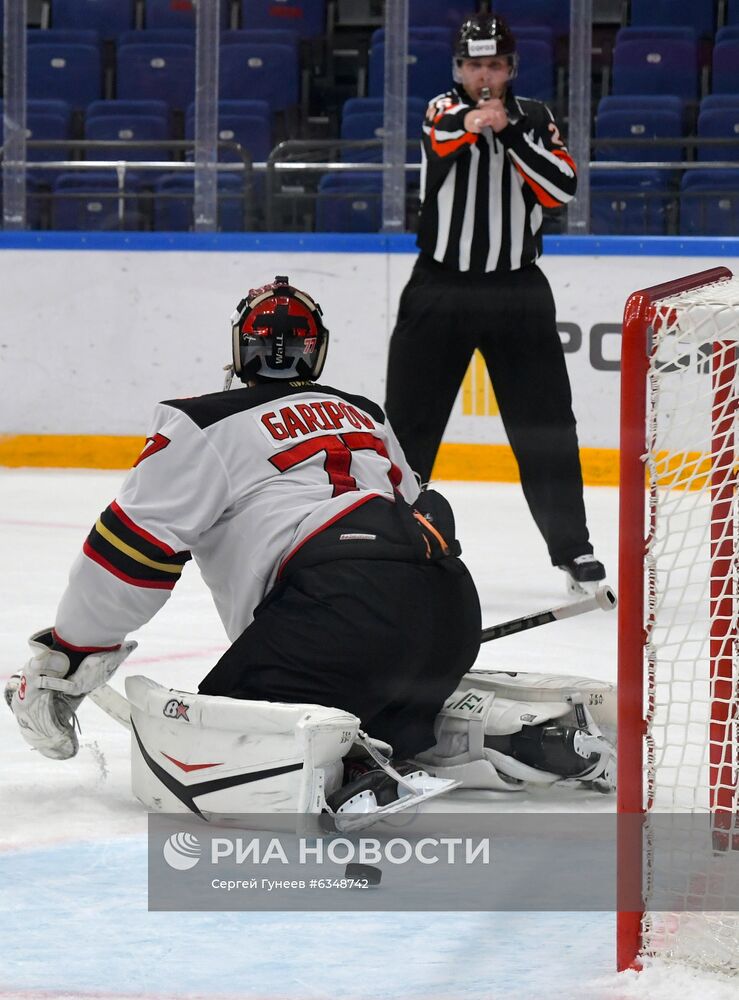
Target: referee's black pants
pixel 510 317
pixel 387 641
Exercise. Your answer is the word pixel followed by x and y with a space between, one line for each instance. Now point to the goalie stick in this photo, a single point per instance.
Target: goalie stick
pixel 604 598
pixel 114 704
pixel 117 707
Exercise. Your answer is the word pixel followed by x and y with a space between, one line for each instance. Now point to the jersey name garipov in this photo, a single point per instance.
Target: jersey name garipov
pixel 305 418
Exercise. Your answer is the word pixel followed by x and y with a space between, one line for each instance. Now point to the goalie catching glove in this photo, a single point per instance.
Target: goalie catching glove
pixel 45 696
pixel 510 731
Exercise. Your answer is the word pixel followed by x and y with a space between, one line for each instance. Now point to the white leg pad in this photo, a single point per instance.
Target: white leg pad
pixel 222 756
pixel 497 704
pixel 599 697
pixel 460 729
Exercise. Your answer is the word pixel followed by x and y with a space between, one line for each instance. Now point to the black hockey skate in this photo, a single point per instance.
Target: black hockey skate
pixel 375 787
pixel 584 575
pixel 364 776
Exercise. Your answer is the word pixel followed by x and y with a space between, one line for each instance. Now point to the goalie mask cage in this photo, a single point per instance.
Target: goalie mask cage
pixel 678 837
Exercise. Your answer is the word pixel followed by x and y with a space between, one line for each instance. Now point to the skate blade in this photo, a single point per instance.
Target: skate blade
pixel 360 812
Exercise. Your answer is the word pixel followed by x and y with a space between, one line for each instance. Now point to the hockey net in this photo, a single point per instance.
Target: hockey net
pixel 679 599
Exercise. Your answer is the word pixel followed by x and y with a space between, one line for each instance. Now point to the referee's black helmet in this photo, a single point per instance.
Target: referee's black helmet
pixel 482 35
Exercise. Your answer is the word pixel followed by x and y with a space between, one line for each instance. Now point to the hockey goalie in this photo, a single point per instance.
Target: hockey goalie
pixel 354 625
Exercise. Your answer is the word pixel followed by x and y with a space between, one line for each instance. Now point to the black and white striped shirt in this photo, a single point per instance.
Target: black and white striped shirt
pixel 482 195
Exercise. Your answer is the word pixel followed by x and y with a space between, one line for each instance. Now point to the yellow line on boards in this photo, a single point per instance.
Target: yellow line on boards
pixel 472 462
pixel 69 451
pixel 495 463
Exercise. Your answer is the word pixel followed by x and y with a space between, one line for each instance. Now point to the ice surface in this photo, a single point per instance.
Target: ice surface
pixel 73 920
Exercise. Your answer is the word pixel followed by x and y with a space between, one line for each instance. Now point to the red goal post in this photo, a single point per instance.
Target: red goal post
pixel 677 630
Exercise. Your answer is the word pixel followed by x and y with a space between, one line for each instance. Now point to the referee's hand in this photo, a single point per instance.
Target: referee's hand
pixel 487 114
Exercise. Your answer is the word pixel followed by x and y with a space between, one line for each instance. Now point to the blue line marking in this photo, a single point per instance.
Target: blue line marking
pixel 627 246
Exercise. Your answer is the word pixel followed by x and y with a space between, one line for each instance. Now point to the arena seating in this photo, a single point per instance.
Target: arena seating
pixel 349 203
pixel 90 201
pixel 668 70
pixel 709 203
pixel 163 70
pixel 698 14
pixel 64 70
pixel 108 17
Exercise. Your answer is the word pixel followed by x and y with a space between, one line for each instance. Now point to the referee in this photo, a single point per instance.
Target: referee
pixel 491 163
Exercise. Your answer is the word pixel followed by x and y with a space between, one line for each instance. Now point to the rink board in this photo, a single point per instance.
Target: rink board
pixel 100 326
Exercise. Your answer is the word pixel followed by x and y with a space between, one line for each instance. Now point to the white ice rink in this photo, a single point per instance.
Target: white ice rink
pixel 73 878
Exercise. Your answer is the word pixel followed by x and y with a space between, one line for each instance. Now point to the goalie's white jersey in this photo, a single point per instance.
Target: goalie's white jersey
pixel 237 480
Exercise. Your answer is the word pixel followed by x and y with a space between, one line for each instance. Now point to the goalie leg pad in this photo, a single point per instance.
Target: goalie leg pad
pixel 599 697
pixel 487 741
pixel 218 756
pixel 44 699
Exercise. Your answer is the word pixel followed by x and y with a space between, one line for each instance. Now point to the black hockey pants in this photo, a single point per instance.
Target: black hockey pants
pixel 510 317
pixel 387 640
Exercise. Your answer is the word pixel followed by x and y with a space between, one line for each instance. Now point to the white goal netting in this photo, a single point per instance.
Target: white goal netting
pixel 690 626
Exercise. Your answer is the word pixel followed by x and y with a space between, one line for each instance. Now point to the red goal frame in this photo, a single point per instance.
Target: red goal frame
pixel 638 315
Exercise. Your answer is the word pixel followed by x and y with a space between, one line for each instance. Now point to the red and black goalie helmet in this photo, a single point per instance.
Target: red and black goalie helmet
pixel 278 333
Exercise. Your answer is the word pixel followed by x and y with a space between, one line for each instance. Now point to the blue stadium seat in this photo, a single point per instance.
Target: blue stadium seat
pixel 535 69
pixel 273 36
pixel 729 33
pixel 628 203
pixel 428 33
pixel 368 125
pixel 245 106
pixel 49 119
pixel 109 17
pixel 161 71
pixel 711 101
pixel 639 123
pixel 157 36
pixel 243 122
pixel 71 73
pixel 349 203
pixel 260 70
pixel 656 67
pixel 63 36
pixel 48 106
pixel 553 14
pixel 698 14
pixel 429 68
pixel 87 200
pixel 732 12
pixel 725 68
pixel 112 107
pixel 173 203
pixel 637 32
pixel 177 13
pixel 307 17
pixel 360 105
pixel 128 127
pixel 709 203
pixel 540 32
pixel 437 12
pixel 646 102
pixel 719 123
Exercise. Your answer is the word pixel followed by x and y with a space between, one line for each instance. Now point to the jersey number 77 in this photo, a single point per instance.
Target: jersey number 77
pixel 338 450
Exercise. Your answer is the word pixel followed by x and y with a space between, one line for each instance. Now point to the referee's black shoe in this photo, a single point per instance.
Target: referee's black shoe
pixel 584 575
